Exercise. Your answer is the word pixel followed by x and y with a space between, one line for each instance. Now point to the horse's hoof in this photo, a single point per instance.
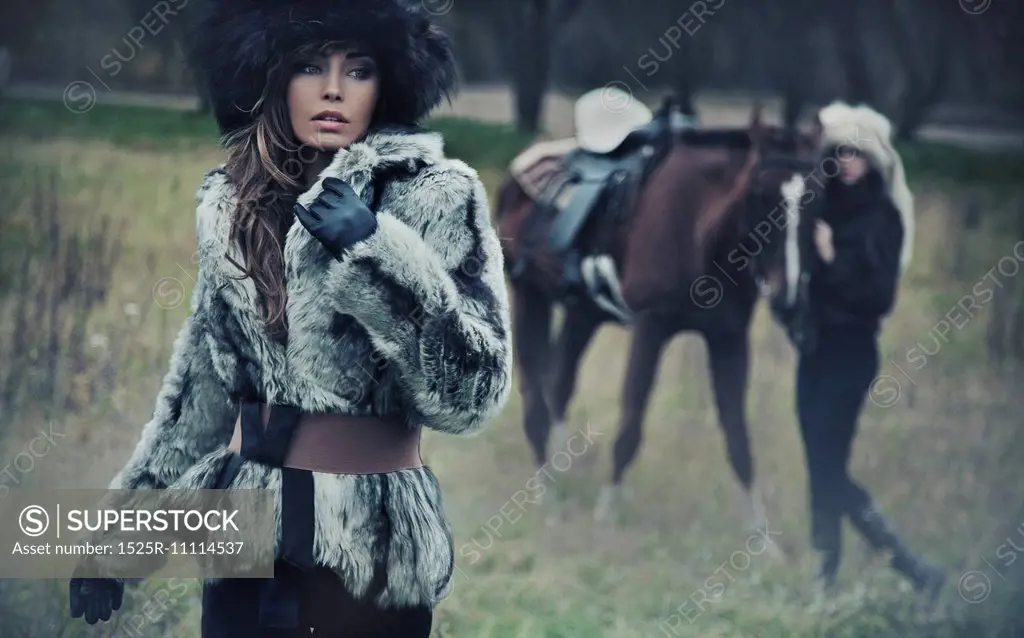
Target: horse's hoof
pixel 558 439
pixel 555 514
pixel 609 504
pixel 772 549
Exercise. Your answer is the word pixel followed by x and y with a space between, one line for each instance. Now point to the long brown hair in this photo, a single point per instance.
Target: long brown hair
pixel 267 165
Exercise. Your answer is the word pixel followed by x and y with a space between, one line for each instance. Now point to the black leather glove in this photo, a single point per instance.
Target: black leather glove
pixel 95 598
pixel 337 217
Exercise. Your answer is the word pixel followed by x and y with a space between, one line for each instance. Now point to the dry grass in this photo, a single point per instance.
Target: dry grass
pixel 942 461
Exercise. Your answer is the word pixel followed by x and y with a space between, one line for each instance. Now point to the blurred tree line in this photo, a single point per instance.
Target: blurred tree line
pixel 902 56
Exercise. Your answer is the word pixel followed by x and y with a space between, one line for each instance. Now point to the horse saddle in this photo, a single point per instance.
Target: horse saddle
pixel 568 180
pixel 571 180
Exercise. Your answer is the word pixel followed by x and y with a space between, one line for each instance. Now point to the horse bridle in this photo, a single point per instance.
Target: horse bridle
pixel 776 161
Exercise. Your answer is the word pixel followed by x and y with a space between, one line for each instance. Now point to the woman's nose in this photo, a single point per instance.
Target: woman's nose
pixel 333 91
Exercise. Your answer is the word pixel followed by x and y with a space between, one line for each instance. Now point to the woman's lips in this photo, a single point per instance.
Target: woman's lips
pixel 329 125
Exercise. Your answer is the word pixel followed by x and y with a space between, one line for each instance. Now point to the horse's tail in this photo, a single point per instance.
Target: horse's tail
pixel 509 194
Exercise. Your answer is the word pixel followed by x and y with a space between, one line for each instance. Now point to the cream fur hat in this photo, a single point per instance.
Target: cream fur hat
pixel 870 133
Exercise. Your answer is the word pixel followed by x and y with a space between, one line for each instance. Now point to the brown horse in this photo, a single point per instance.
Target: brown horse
pixel 691 255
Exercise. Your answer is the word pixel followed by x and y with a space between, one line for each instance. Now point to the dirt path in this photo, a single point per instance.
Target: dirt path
pixel 494 104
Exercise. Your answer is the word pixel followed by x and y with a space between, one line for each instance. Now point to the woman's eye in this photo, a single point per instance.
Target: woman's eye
pixel 361 73
pixel 309 68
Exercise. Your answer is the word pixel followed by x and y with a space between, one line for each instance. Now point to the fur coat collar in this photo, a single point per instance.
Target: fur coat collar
pixel 385 152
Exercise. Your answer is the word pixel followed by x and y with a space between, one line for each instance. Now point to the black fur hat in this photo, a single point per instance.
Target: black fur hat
pixel 233 44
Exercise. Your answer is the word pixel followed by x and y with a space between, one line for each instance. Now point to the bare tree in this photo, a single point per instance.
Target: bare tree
pixel 526 30
pixel 996 59
pixel 532 37
pixel 790 61
pixel 531 27
pixel 919 36
pixel 19 22
pixel 665 42
pixel 922 39
pixel 847 23
pixel 170 46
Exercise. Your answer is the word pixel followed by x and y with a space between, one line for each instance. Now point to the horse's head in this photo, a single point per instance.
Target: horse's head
pixel 786 195
pixel 736 203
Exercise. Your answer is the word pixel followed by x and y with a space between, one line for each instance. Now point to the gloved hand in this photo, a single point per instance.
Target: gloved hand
pixel 95 598
pixel 337 217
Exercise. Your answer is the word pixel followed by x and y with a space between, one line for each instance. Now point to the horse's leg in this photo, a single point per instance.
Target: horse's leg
pixel 648 340
pixel 728 357
pixel 531 326
pixel 578 329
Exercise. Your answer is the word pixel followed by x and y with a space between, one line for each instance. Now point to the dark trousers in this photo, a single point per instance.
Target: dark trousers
pixel 231 608
pixel 832 383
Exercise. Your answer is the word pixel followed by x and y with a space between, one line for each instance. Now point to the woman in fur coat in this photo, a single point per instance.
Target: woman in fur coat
pixel 350 292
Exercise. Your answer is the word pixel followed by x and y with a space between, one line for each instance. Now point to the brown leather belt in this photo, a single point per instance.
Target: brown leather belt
pixel 330 442
pixel 300 443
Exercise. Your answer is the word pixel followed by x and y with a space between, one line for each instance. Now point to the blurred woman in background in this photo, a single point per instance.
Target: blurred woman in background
pixel 863 242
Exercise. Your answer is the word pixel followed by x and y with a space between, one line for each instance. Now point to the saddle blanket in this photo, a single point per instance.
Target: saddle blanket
pixel 539 170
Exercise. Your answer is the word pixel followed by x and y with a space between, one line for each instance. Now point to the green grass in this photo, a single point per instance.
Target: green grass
pixel 944 463
pixel 480 143
pixel 958 167
pixel 122 125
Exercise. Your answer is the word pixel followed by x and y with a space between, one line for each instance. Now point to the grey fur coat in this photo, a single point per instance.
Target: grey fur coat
pixel 414 320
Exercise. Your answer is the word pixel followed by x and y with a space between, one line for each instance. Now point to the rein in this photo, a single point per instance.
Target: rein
pixel 788 162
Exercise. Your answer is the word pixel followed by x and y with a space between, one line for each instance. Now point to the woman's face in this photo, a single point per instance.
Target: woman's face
pixel 852 168
pixel 331 99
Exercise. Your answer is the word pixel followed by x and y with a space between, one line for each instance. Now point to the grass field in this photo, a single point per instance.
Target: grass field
pixel 944 461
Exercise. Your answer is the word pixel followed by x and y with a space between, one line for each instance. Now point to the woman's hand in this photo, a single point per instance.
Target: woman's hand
pixel 823 241
pixel 95 598
pixel 337 217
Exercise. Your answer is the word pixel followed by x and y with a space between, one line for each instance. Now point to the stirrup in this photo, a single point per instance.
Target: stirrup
pixel 603 286
pixel 572 272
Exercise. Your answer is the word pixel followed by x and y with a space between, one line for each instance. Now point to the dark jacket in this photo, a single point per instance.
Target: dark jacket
pixel 859 287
